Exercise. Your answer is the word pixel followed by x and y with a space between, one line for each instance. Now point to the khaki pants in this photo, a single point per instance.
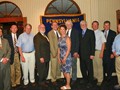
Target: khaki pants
pixel 55 69
pixel 28 67
pixel 117 65
pixel 98 67
pixel 15 71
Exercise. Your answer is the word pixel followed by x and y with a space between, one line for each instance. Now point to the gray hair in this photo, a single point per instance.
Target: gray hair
pixel 83 21
pixel 68 21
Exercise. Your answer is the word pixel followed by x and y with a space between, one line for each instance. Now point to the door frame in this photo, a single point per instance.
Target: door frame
pixel 13 19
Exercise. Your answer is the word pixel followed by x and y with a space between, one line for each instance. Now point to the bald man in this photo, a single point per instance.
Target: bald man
pixel 42 54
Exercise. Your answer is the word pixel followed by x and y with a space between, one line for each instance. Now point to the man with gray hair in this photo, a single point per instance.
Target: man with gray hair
pixel 74 35
pixel 87 52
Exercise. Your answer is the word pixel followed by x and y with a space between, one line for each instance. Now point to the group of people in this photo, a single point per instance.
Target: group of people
pixel 96 50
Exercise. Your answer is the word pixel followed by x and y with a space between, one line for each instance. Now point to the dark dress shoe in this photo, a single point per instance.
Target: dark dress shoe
pixel 33 84
pixel 13 88
pixel 47 82
pixel 83 81
pixel 60 80
pixel 54 83
pixel 43 84
pixel 25 86
pixel 73 82
pixel 18 86
pixel 89 85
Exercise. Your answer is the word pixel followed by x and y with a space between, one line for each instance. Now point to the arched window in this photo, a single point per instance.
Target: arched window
pixel 62 7
pixel 9 9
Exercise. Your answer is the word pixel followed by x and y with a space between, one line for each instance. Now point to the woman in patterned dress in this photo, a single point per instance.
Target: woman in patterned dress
pixel 64 56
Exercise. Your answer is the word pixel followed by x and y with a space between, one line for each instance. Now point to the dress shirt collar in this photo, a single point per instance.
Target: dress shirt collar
pixel 27 34
pixel 96 30
pixel 84 30
pixel 55 31
pixel 107 31
pixel 69 30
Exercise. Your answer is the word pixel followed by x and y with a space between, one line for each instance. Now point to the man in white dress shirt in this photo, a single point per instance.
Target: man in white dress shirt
pixel 99 49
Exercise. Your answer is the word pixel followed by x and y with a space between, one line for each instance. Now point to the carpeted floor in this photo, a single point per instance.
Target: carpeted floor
pixel 76 86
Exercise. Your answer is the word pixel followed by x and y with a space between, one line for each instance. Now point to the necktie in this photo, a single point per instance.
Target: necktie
pixel 83 33
pixel 106 34
pixel 105 37
pixel 68 32
pixel 15 47
pixel 57 35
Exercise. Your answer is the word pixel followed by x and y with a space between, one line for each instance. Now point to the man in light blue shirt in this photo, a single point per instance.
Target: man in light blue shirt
pixel 116 52
pixel 26 50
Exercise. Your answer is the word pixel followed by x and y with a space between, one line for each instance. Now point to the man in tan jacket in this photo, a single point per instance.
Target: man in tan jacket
pixel 5 52
pixel 53 36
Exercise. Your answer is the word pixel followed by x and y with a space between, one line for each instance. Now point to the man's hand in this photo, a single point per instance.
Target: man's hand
pixel 101 55
pixel 75 55
pixel 114 53
pixel 5 60
pixel 91 57
pixel 22 58
pixel 111 56
pixel 42 60
pixel 59 61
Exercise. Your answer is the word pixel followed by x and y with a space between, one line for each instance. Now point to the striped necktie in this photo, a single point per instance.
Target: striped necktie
pixel 106 34
pixel 15 47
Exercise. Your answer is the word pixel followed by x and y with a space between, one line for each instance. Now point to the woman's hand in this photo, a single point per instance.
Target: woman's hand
pixel 64 61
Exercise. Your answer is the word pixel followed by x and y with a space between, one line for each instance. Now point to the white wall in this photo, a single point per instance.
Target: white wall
pixel 100 10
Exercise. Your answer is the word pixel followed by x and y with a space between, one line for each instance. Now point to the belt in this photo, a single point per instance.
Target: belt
pixel 97 50
pixel 28 52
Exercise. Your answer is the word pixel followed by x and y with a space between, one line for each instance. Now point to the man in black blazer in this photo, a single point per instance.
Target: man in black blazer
pixel 108 57
pixel 42 54
pixel 74 36
pixel 14 58
pixel 87 52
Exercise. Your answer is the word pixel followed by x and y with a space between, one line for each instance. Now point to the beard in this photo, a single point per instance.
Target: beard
pixel 42 32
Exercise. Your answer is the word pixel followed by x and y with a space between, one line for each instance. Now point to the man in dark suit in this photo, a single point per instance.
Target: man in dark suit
pixel 74 35
pixel 42 54
pixel 87 52
pixel 108 57
pixel 15 62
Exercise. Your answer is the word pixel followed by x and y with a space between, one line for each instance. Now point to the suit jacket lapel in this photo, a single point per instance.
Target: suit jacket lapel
pixel 54 36
pixel 43 37
pixel 71 34
pixel 11 39
pixel 108 35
